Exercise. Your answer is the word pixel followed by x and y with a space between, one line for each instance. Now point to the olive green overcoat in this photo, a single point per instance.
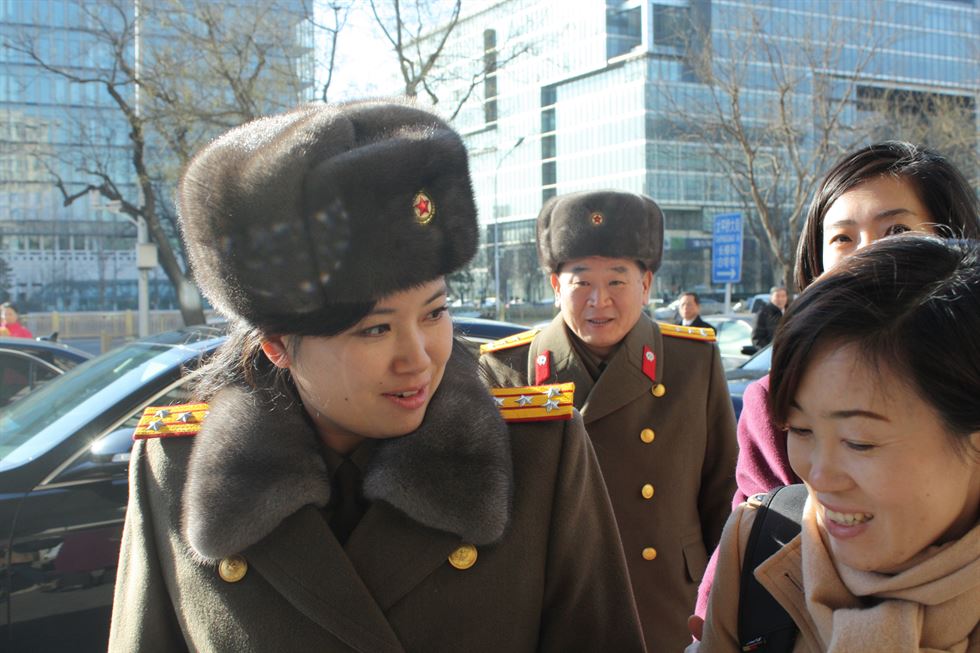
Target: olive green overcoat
pixel 668 461
pixel 549 573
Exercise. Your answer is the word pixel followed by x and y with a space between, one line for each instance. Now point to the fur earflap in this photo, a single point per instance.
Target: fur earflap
pixel 600 223
pixel 254 463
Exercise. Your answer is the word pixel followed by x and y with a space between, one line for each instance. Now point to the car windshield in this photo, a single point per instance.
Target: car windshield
pixel 41 420
pixel 760 362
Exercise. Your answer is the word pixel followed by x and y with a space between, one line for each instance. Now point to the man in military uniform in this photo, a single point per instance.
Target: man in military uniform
pixel 653 396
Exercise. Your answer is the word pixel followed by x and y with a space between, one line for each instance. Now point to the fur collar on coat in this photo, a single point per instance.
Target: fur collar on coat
pixel 255 462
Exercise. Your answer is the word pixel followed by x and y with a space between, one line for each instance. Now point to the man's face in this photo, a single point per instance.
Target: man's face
pixel 688 308
pixel 601 299
pixel 779 298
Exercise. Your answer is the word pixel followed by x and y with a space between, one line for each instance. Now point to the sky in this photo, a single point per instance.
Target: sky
pixel 366 65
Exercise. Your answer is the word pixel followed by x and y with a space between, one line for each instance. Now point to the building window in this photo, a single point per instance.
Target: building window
pixel 490 76
pixel 548 173
pixel 623 30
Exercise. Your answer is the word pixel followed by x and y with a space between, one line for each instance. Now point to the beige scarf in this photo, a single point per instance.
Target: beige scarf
pixel 931 606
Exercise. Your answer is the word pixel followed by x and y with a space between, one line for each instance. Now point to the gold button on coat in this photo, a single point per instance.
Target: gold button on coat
pixel 464 557
pixel 649 553
pixel 647 435
pixel 232 569
pixel 647 491
pixel 658 390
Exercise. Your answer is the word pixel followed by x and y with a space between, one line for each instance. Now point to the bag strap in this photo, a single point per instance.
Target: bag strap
pixel 763 624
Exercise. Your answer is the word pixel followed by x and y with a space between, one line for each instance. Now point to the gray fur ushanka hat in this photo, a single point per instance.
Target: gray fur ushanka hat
pixel 299 222
pixel 606 223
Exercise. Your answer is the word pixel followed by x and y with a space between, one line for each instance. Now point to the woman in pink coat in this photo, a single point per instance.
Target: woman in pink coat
pixel 876 191
pixel 875 375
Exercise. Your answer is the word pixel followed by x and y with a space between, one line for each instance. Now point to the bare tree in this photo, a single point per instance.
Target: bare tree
pixel 772 113
pixel 420 34
pixel 945 122
pixel 328 29
pixel 178 74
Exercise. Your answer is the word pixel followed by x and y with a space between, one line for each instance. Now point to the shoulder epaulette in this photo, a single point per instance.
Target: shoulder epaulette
pixel 535 403
pixel 516 340
pixel 177 421
pixel 691 333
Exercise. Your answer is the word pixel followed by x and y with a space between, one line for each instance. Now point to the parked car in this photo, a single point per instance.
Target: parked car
pixel 751 370
pixel 734 334
pixel 752 304
pixel 64 459
pixel 26 363
pixel 479 331
pixel 669 312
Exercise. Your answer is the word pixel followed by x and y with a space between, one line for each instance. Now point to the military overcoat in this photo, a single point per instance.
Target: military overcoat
pixel 480 536
pixel 668 461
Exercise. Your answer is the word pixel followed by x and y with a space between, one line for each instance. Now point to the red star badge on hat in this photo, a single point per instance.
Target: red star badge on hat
pixel 424 208
pixel 597 218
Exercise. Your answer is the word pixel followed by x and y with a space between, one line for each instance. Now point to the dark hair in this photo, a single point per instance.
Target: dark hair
pixel 911 305
pixel 240 361
pixel 688 293
pixel 938 184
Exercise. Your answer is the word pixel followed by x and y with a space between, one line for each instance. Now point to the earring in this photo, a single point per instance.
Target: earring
pixel 558 301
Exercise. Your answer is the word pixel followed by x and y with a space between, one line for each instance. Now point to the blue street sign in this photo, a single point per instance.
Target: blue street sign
pixel 726 249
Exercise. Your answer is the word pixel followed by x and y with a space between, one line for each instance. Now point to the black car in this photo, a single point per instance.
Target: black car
pixel 64 458
pixel 26 363
pixel 751 370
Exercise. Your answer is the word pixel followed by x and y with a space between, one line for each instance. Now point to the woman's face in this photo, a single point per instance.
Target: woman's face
pixel 376 379
pixel 886 480
pixel 879 207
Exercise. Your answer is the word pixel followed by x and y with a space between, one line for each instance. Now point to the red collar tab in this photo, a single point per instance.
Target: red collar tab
pixel 649 363
pixel 542 367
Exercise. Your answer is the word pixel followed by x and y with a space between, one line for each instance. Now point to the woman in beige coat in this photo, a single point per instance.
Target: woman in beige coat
pixel 875 376
pixel 354 486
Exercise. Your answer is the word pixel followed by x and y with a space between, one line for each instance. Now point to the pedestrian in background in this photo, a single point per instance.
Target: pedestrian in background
pixel 769 316
pixel 354 486
pixel 653 396
pixel 877 191
pixel 689 311
pixel 875 380
pixel 10 323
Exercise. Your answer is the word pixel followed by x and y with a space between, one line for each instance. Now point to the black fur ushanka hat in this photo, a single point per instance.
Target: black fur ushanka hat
pixel 299 222
pixel 600 223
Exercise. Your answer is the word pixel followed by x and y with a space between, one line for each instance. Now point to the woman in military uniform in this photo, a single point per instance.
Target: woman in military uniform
pixel 354 487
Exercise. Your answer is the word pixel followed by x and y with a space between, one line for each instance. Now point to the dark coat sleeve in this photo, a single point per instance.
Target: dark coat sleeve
pixel 765 325
pixel 143 617
pixel 717 474
pixel 588 603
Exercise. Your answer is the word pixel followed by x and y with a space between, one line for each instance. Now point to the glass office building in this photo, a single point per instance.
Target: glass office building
pixel 585 94
pixel 82 256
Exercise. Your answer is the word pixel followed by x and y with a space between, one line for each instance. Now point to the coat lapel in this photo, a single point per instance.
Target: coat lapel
pixel 393 554
pixel 623 380
pixel 326 587
pixel 565 365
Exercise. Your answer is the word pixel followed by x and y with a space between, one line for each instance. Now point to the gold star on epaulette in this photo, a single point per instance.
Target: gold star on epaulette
pixel 170 421
pixel 535 403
